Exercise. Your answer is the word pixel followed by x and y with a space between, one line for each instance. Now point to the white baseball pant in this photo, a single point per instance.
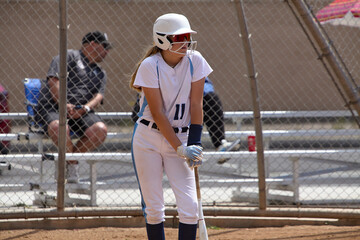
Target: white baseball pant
pixel 152 155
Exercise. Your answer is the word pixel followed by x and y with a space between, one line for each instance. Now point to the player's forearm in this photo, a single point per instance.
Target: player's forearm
pixel 196 113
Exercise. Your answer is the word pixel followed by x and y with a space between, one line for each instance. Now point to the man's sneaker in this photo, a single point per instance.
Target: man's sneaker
pixel 228 146
pixel 72 174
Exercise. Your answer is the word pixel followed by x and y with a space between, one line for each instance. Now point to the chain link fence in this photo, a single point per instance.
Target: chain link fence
pixel 311 138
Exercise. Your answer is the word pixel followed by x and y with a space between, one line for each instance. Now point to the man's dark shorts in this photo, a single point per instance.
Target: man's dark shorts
pixel 77 126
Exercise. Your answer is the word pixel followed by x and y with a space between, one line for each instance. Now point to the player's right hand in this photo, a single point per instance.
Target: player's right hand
pixel 192 153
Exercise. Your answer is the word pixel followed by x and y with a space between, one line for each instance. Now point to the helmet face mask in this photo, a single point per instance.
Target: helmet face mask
pixel 176 46
pixel 172 29
pixel 178 42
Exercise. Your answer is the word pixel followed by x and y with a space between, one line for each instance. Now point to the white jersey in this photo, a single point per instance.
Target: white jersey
pixel 174 84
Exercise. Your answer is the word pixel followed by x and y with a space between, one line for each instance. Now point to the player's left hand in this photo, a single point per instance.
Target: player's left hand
pixel 192 152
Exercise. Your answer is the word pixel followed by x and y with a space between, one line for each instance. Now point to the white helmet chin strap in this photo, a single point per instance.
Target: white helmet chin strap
pixel 191 47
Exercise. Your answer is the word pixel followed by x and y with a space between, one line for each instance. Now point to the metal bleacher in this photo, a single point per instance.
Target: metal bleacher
pixel 288 183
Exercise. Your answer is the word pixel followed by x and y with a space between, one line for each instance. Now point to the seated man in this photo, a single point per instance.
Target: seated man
pixel 85 91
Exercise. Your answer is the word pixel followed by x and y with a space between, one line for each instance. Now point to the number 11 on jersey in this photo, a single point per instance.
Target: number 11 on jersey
pixel 179 108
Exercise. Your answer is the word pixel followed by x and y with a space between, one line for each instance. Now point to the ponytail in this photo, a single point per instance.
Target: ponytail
pixel 149 52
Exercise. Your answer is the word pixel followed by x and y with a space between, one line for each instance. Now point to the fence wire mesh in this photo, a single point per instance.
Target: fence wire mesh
pixel 311 138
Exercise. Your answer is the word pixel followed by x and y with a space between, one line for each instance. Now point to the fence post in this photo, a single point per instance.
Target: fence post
pixel 255 101
pixel 62 105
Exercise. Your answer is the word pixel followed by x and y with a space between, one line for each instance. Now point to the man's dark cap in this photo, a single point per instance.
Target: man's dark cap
pixel 97 37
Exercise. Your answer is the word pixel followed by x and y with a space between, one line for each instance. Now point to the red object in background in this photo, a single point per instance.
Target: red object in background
pixel 251 143
pixel 5 125
pixel 338 9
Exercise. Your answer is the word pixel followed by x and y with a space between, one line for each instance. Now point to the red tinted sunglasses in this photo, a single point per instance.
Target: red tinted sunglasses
pixel 182 37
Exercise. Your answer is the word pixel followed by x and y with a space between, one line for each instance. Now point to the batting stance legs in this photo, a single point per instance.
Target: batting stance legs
pixel 152 155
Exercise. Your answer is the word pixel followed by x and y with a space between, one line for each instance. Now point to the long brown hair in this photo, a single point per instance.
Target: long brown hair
pixel 153 49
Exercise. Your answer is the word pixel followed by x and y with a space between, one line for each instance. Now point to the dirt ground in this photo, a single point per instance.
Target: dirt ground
pixel 278 233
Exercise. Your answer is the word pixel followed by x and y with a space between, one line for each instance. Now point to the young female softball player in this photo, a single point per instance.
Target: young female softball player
pixel 167 135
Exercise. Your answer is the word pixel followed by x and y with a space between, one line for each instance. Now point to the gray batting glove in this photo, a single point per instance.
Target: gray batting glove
pixel 193 152
pixel 193 155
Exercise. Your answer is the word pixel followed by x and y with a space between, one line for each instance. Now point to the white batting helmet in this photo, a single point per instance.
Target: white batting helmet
pixel 167 25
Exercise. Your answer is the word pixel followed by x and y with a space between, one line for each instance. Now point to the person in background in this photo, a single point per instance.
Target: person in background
pixel 214 119
pixel 86 83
